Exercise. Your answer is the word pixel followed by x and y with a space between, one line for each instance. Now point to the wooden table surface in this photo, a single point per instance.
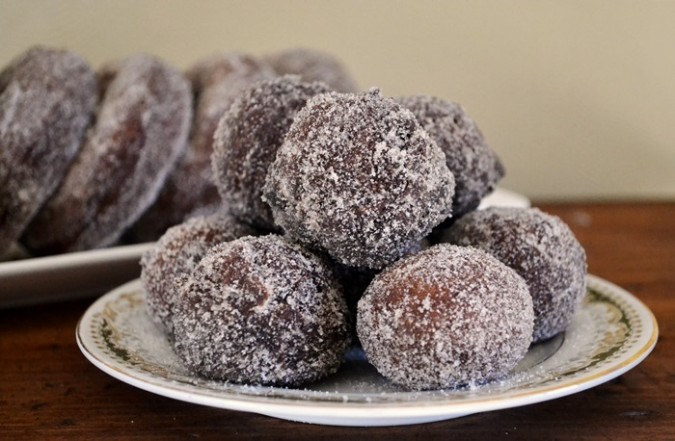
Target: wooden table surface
pixel 49 391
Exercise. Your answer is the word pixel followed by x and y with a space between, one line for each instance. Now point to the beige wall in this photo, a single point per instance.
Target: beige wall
pixel 578 97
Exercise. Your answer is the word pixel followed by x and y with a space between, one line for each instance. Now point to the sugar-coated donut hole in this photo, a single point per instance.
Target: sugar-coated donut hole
pixel 359 179
pixel 247 140
pixel 176 255
pixel 475 166
pixel 261 310
pixel 445 317
pixel 538 246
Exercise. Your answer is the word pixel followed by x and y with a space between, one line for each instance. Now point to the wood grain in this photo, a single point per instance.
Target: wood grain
pixel 48 390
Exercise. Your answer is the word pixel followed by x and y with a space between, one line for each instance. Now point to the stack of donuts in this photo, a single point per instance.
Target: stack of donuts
pixel 83 155
pixel 89 159
pixel 308 216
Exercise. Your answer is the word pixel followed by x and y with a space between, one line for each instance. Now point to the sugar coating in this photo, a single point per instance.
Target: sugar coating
pixel 261 310
pixel 445 317
pixel 358 178
pixel 176 255
pixel 538 246
pixel 247 140
pixel 313 65
pixel 47 100
pixel 476 167
pixel 140 132
pixel 216 82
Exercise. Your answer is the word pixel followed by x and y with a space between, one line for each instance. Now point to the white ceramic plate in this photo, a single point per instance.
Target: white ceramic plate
pixel 502 197
pixel 89 273
pixel 611 333
pixel 67 276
